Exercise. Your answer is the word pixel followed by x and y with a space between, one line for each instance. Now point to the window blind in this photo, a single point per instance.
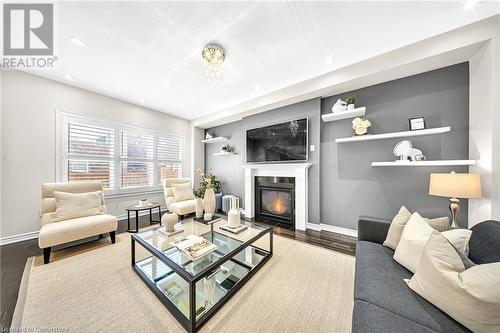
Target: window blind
pixel 90 154
pixel 137 170
pixel 125 159
pixel 170 150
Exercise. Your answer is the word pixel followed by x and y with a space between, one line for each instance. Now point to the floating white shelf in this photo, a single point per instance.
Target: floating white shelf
pixel 225 153
pixel 216 139
pixel 424 163
pixel 368 137
pixel 344 114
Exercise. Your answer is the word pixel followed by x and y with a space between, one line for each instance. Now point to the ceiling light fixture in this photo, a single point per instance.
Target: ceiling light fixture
pixel 167 83
pixel 68 77
pixel 470 4
pixel 77 41
pixel 213 56
pixel 329 60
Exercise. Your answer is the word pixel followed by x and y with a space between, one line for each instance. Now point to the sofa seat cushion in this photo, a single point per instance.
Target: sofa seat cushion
pixel 56 233
pixel 373 319
pixel 380 281
pixel 183 207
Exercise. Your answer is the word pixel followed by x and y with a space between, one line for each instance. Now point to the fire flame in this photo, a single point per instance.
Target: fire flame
pixel 278 207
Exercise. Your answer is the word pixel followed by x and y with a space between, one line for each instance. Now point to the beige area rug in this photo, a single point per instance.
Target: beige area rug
pixel 92 288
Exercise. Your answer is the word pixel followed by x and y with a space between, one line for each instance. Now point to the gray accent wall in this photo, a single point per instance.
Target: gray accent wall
pixel 228 168
pixel 342 183
pixel 351 187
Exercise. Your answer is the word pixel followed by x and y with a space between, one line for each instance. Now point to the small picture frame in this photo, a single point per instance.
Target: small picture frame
pixel 417 123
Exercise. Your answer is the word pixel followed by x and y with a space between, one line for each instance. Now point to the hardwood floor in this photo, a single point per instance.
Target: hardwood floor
pixel 329 240
pixel 13 258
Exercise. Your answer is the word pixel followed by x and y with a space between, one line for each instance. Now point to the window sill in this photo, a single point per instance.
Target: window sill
pixel 131 194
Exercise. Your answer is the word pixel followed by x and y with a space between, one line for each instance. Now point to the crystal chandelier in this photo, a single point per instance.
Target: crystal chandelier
pixel 213 57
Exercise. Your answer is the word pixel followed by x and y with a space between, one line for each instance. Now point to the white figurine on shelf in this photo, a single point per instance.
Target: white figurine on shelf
pixel 339 105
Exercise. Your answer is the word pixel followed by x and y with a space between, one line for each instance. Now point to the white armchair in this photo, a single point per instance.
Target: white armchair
pixel 179 207
pixel 55 231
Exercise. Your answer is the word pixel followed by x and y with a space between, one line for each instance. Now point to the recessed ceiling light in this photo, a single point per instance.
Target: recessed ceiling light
pixel 167 83
pixel 329 60
pixel 68 77
pixel 143 100
pixel 256 87
pixel 469 4
pixel 77 41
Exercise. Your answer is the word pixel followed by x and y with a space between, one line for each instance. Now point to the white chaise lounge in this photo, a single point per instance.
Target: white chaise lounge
pixel 55 233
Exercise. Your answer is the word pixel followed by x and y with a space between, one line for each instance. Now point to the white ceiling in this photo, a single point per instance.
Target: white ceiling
pixel 149 53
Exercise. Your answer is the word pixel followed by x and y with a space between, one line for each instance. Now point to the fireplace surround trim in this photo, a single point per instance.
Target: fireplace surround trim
pixel 297 170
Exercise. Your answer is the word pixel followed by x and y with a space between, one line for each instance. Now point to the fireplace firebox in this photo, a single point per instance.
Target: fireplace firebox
pixel 275 199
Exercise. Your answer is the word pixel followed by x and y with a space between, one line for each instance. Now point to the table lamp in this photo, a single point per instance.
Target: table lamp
pixel 455 185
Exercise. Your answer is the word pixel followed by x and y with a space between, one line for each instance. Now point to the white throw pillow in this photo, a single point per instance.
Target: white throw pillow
pixel 415 235
pixel 398 224
pixel 396 228
pixel 73 205
pixel 471 297
pixel 182 192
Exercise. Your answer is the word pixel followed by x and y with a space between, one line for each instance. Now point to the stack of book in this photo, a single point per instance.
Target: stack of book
pixel 194 247
pixel 234 230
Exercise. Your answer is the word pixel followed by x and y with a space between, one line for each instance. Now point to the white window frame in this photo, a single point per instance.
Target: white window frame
pixel 62 121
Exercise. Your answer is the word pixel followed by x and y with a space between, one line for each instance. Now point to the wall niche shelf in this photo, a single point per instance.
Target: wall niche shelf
pixel 215 139
pixel 424 163
pixel 334 116
pixel 225 153
pixel 370 137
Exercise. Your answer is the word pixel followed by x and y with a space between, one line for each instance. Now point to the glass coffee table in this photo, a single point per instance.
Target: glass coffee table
pixel 193 291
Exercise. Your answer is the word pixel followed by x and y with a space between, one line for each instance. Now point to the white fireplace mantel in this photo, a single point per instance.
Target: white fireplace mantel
pixel 297 170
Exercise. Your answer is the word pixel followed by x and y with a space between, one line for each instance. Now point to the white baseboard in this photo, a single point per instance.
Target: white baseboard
pixel 332 228
pixel 313 226
pixel 18 238
pixel 34 234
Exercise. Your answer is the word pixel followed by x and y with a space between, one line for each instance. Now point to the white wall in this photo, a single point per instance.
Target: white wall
pixel 484 122
pixel 28 133
pixel 198 153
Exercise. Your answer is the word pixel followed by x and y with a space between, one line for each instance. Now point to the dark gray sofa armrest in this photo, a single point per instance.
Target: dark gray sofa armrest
pixel 372 229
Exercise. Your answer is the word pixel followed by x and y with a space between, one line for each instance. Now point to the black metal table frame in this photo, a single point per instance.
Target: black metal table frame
pixel 129 209
pixel 192 325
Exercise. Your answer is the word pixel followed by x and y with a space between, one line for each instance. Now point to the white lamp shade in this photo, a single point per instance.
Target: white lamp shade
pixel 455 185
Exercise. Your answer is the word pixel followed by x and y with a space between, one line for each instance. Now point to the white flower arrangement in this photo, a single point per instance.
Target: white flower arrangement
pixel 360 122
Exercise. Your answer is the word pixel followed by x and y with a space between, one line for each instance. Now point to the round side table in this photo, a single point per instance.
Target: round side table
pixel 137 209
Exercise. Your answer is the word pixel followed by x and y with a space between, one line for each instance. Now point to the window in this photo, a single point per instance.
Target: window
pixel 90 154
pixel 136 160
pixel 169 149
pixel 124 158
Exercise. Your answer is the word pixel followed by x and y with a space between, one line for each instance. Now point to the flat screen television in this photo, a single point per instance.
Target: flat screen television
pixel 278 143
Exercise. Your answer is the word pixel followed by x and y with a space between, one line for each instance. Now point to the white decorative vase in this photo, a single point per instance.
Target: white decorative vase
pixel 199 208
pixel 209 201
pixel 169 220
pixel 350 107
pixel 233 216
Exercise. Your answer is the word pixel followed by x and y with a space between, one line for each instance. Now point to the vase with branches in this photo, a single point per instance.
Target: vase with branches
pixel 208 180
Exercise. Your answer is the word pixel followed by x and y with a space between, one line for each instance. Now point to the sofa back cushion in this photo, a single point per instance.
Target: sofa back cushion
pixel 73 205
pixel 48 189
pixel 484 244
pixel 183 192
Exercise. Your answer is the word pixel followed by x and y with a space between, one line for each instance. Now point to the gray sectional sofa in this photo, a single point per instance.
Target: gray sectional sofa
pixel 382 300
